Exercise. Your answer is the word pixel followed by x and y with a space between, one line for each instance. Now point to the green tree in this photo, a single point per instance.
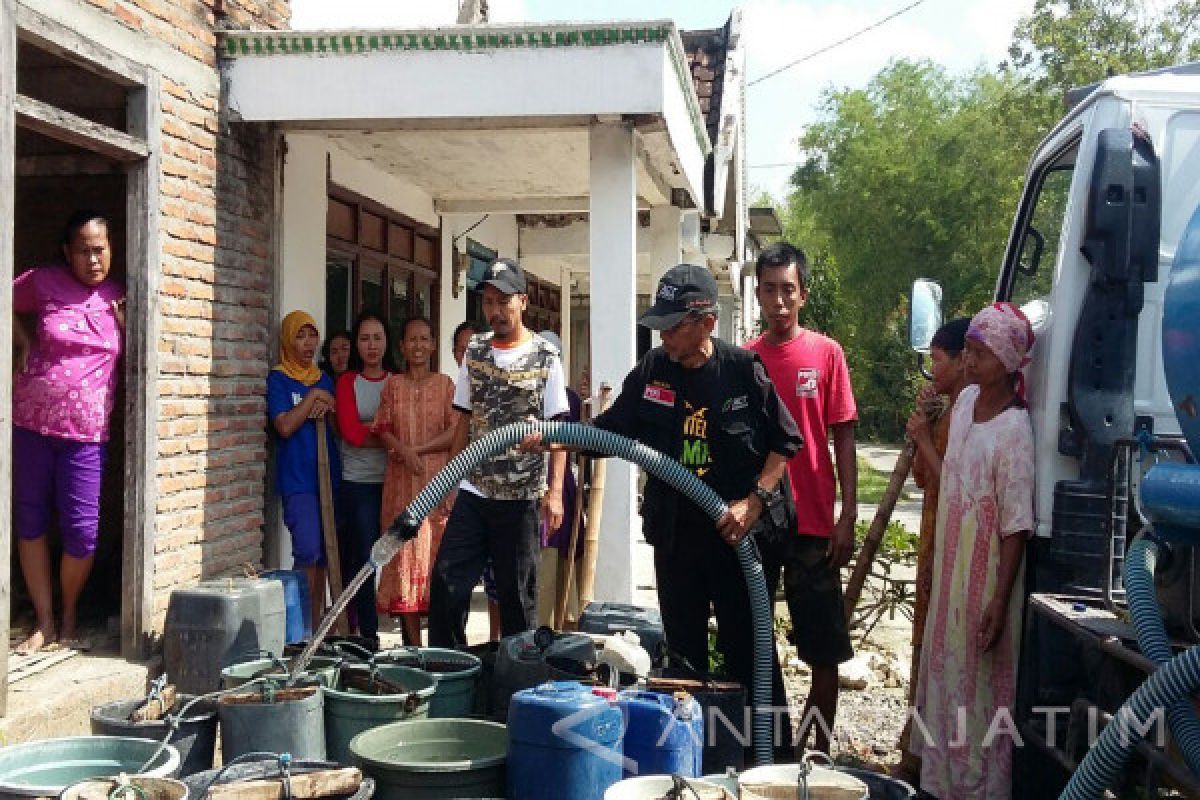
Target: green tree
pixel 914 175
pixel 918 174
pixel 1067 43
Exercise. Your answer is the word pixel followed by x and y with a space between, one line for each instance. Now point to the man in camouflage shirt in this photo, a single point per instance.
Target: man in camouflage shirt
pixel 509 375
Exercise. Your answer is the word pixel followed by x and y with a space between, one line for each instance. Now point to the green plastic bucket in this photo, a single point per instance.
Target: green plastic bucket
pixel 457 673
pixel 434 758
pixel 349 712
pixel 44 768
pixel 323 669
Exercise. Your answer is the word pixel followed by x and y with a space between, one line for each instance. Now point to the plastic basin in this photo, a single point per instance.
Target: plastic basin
pixel 434 758
pixel 46 767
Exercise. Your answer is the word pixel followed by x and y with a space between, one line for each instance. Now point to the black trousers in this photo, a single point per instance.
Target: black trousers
pixel 479 527
pixel 697 572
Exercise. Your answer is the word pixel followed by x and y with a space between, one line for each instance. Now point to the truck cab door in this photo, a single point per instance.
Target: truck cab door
pixel 1120 242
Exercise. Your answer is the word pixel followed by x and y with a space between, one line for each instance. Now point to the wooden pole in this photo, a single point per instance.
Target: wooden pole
pixel 333 561
pixel 567 574
pixel 591 536
pixel 883 514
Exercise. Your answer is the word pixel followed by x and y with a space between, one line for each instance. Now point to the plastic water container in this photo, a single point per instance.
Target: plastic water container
pixel 218 623
pixel 613 618
pixel 297 603
pixel 564 741
pixel 624 653
pixel 530 659
pixel 664 734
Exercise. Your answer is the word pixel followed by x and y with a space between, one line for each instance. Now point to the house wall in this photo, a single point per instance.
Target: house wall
pixel 215 287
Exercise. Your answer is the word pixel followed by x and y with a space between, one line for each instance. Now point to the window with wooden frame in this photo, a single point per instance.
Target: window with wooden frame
pixel 380 260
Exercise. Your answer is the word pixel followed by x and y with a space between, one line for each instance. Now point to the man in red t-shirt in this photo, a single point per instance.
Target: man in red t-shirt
pixel 810 374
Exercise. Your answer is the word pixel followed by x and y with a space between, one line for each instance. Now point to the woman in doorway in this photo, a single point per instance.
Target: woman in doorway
pixel 62 401
pixel 416 423
pixel 363 457
pixel 929 430
pixel 298 394
pixel 967 684
pixel 335 354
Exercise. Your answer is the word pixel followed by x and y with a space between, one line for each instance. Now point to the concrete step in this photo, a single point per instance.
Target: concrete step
pixel 58 700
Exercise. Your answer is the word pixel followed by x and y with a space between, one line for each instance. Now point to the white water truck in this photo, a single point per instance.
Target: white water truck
pixel 1104 257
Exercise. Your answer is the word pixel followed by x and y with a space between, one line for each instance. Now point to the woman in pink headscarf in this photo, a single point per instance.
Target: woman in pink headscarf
pixel 968 677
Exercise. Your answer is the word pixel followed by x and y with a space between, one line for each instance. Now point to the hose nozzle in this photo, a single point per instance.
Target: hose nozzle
pixel 405 527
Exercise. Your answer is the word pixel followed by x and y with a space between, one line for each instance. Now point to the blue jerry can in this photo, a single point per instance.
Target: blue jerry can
pixel 664 734
pixel 563 741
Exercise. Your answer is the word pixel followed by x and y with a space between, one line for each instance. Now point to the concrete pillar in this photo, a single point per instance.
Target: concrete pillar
pixel 305 204
pixel 613 248
pixel 725 327
pixel 666 248
pixel 564 322
pixel 451 310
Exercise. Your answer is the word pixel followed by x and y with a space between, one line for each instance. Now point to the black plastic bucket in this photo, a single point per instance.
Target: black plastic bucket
pixel 195 738
pixel 723 704
pixel 265 769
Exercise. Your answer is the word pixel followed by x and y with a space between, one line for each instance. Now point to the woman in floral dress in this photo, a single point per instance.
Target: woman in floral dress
pixel 968 675
pixel 416 422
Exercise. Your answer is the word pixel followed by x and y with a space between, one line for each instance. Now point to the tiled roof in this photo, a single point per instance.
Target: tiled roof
pixel 705 52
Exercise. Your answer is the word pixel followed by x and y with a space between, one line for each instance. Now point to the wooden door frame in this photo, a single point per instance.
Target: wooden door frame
pixel 8 95
pixel 137 149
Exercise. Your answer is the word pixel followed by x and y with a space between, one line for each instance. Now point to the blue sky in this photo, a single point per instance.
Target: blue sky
pixel 960 34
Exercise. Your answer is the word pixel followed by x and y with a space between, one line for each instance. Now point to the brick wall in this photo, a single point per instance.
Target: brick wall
pixel 215 302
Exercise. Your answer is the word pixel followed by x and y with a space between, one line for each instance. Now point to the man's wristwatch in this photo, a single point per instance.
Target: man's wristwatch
pixel 768 497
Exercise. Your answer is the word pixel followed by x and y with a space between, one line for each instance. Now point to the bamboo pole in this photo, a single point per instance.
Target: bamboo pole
pixel 562 597
pixel 333 561
pixel 591 536
pixel 883 514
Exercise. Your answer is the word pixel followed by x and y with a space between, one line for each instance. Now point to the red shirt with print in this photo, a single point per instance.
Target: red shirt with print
pixel 812 379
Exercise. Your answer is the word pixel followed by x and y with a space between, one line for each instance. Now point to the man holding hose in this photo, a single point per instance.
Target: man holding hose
pixel 711 406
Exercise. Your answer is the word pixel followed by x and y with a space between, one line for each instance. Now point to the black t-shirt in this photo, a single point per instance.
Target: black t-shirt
pixel 699 392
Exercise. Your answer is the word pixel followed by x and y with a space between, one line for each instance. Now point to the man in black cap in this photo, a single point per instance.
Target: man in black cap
pixel 711 406
pixel 509 375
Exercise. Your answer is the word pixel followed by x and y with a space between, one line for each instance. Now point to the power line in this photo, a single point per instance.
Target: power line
pixel 838 43
pixel 773 166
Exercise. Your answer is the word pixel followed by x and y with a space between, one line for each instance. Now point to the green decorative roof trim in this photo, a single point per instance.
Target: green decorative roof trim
pixel 253 43
pixel 236 44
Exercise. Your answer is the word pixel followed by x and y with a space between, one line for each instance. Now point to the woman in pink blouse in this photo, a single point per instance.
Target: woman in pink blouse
pixel 62 399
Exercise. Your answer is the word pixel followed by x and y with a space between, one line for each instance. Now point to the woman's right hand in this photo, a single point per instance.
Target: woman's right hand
pixel 407 458
pixel 917 427
pixel 321 402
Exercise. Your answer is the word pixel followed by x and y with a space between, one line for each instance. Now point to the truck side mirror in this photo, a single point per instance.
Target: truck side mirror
pixel 924 314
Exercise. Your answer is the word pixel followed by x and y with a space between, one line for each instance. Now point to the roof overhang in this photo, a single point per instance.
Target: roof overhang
pixel 532 79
